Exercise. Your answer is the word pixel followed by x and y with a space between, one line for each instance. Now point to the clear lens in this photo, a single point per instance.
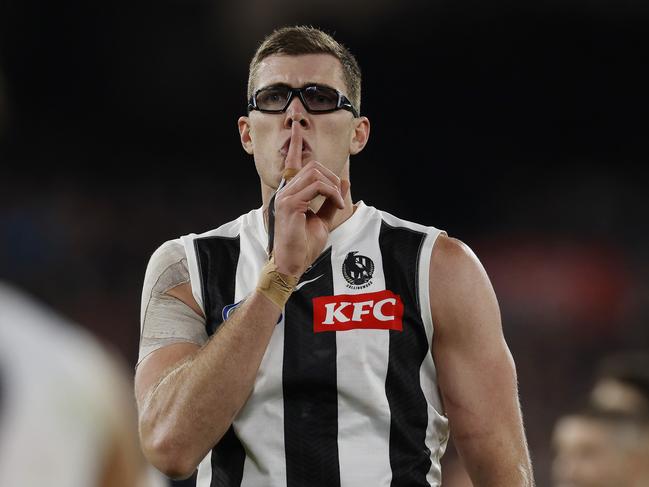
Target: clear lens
pixel 320 98
pixel 316 98
pixel 273 98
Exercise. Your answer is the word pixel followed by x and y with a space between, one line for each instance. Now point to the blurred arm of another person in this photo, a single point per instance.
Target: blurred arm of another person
pixel 67 417
pixel 476 372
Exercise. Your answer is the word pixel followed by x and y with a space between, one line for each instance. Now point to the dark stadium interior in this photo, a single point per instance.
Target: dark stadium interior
pixel 521 128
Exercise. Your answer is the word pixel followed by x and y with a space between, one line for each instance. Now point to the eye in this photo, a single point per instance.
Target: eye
pixel 322 98
pixel 271 96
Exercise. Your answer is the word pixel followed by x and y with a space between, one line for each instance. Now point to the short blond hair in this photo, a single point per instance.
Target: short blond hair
pixel 297 40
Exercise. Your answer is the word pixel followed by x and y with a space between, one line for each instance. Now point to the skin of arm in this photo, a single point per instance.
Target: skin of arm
pixel 188 395
pixel 476 372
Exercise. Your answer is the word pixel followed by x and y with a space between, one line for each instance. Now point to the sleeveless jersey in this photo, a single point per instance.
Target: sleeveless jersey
pixel 346 394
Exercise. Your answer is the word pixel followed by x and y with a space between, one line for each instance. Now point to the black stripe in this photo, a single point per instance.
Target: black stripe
pixel 190 482
pixel 409 455
pixel 271 224
pixel 228 458
pixel 217 259
pixel 310 387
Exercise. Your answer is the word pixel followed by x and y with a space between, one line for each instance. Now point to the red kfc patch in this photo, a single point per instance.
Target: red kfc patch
pixel 382 310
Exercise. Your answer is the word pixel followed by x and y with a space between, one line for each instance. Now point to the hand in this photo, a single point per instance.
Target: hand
pixel 301 234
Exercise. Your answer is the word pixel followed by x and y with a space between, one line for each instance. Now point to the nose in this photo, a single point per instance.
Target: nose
pixel 296 113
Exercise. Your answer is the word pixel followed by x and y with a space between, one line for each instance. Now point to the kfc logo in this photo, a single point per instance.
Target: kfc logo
pixel 382 310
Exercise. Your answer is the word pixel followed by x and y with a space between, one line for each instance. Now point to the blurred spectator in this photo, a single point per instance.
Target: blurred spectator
pixel 67 417
pixel 622 384
pixel 595 448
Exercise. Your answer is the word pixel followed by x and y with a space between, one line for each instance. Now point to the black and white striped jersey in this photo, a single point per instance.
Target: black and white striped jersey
pixel 346 394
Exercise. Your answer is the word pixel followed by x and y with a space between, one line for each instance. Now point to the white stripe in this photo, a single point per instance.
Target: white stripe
pixel 260 423
pixel 437 429
pixel 204 477
pixel 362 363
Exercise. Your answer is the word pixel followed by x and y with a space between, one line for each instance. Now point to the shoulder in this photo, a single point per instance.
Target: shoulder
pixel 458 283
pixel 451 257
pixel 167 268
pixel 59 347
pixel 169 253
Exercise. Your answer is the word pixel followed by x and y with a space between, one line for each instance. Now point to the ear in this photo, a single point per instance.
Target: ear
pixel 360 135
pixel 245 135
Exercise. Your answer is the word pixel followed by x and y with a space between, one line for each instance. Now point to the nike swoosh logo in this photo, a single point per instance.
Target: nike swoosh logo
pixel 299 286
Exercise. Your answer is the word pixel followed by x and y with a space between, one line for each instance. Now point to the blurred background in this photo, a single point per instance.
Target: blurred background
pixel 519 127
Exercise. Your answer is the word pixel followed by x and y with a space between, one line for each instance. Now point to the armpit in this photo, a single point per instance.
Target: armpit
pixel 164 319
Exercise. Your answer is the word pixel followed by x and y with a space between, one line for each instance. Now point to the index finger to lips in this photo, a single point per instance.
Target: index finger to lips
pixel 294 154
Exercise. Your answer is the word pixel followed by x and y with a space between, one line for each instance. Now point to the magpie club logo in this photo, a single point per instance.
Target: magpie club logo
pixel 358 270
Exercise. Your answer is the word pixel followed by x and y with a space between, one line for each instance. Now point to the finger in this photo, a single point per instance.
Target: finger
pixel 328 209
pixel 289 173
pixel 313 190
pixel 306 177
pixel 329 174
pixel 294 154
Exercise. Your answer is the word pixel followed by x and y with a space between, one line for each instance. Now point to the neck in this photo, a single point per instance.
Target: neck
pixel 342 215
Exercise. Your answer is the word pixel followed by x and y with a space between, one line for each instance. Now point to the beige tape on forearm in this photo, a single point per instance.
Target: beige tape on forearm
pixel 274 285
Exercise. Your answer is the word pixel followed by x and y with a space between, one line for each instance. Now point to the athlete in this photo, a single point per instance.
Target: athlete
pixel 316 341
pixel 622 383
pixel 67 417
pixel 600 448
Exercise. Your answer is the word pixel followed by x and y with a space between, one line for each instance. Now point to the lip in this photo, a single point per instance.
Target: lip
pixel 284 149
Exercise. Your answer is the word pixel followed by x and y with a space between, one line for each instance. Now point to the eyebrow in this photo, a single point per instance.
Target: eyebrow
pixel 285 85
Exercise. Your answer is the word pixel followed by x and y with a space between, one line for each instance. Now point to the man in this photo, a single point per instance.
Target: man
pixel 66 415
pixel 597 448
pixel 622 383
pixel 321 368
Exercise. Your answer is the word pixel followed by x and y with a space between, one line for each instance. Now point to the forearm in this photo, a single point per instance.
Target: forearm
pixel 496 460
pixel 491 439
pixel 191 408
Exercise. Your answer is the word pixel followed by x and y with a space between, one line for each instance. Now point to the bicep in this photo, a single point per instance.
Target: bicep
pixel 476 372
pixel 172 323
pixel 172 331
pixel 158 364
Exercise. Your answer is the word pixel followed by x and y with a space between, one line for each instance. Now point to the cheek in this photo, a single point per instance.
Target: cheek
pixel 261 133
pixel 338 137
